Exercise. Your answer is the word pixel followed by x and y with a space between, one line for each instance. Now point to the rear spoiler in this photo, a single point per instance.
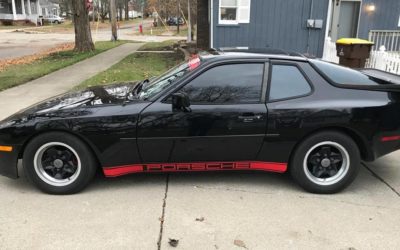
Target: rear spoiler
pixel 388 81
pixel 382 75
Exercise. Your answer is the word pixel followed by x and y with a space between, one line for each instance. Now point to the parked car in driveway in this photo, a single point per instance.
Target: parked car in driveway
pixel 53 19
pixel 217 112
pixel 173 21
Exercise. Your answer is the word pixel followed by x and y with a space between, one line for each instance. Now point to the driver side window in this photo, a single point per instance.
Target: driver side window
pixel 227 84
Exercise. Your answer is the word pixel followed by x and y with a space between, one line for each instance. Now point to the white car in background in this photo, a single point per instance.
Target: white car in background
pixel 53 19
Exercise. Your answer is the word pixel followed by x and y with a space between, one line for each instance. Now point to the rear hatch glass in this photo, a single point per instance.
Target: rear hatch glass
pixel 342 75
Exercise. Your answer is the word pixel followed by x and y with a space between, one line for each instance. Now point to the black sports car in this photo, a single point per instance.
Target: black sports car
pixel 219 111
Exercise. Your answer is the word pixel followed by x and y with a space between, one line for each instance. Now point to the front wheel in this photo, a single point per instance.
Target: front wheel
pixel 326 162
pixel 59 163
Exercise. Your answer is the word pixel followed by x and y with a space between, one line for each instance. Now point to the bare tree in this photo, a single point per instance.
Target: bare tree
pixel 104 9
pixel 83 36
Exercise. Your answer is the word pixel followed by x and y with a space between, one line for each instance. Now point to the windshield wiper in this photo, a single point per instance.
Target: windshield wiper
pixel 136 89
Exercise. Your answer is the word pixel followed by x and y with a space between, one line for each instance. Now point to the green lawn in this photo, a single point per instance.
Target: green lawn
pixel 158 46
pixel 19 74
pixel 136 66
pixel 158 31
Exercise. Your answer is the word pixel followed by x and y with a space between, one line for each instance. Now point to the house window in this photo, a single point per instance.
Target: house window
pixel 234 11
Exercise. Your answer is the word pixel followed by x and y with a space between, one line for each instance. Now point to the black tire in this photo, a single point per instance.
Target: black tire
pixel 74 153
pixel 309 173
pixel 56 22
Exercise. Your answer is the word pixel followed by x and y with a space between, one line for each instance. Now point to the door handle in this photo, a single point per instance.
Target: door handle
pixel 249 117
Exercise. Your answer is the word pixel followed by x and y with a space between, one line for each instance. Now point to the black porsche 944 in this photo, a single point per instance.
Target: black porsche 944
pixel 219 111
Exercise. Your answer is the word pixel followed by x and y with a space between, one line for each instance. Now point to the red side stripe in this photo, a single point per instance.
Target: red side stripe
pixel 269 166
pixel 390 138
pixel 193 167
pixel 122 170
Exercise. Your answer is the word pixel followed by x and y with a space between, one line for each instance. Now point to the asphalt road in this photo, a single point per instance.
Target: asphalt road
pixel 16 44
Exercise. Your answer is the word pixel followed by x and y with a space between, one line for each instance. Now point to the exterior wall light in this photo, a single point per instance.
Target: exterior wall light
pixel 371 7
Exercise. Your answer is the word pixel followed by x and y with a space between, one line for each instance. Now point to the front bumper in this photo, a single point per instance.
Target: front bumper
pixel 8 162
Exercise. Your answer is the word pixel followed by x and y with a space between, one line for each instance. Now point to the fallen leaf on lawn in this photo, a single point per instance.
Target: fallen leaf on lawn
pixel 173 242
pixel 239 243
pixel 4 64
pixel 200 219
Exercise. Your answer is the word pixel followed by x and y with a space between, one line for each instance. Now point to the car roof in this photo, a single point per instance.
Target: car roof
pixel 245 53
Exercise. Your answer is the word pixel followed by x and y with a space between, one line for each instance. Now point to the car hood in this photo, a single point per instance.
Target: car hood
pixel 116 94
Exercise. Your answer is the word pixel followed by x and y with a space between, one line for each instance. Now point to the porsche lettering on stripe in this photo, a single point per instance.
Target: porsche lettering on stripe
pixel 197 166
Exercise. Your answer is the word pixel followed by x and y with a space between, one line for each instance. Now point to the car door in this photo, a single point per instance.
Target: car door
pixel 290 108
pixel 227 119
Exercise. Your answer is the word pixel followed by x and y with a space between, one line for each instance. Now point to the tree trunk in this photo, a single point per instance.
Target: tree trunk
pixel 203 26
pixel 120 13
pixel 126 9
pixel 113 16
pixel 83 36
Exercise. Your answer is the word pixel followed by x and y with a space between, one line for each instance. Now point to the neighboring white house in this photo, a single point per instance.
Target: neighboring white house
pixel 49 8
pixel 26 10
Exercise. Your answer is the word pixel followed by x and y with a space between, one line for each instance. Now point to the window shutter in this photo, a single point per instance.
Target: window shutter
pixel 244 11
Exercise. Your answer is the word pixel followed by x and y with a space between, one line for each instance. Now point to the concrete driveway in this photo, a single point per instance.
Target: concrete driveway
pixel 231 210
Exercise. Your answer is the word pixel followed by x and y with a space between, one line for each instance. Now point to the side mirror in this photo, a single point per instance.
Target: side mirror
pixel 180 102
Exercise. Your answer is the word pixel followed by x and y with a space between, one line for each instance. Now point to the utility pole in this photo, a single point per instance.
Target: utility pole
pixel 159 13
pixel 113 15
pixel 142 12
pixel 178 16
pixel 189 24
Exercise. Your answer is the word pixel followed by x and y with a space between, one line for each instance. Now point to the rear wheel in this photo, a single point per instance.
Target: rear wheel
pixel 59 163
pixel 326 162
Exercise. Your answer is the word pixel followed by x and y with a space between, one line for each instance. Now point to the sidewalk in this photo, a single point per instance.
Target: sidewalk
pixel 60 81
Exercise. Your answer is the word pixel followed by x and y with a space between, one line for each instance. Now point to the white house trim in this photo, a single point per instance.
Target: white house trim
pixel 328 19
pixel 14 9
pixel 211 23
pixel 38 8
pixel 240 7
pixel 23 7
pixel 29 7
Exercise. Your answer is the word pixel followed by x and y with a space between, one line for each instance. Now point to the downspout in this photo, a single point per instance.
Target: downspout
pixel 309 29
pixel 211 24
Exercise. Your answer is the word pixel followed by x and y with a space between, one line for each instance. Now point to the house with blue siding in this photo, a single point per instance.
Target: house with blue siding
pixel 295 25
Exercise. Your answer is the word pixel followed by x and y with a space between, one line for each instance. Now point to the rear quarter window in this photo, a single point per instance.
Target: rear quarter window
pixel 287 82
pixel 342 75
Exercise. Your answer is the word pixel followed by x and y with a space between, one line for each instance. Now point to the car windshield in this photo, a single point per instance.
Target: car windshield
pixel 168 78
